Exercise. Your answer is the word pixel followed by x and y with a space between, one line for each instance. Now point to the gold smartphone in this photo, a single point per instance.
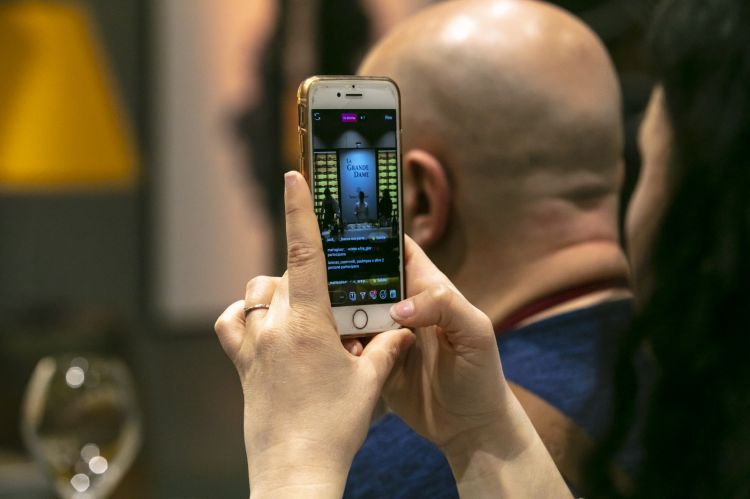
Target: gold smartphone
pixel 350 154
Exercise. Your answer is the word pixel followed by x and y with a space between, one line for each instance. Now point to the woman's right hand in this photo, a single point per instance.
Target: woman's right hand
pixel 450 388
pixel 450 383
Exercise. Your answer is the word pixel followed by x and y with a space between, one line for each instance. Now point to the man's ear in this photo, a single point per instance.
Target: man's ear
pixel 427 197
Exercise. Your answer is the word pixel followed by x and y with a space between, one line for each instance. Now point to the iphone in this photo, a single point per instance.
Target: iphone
pixel 350 154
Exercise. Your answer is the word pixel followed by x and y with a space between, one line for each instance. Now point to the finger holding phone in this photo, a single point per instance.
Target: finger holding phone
pixel 308 400
pixel 449 387
pixel 451 381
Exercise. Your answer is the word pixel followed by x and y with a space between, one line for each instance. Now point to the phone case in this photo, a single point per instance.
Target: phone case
pixel 305 154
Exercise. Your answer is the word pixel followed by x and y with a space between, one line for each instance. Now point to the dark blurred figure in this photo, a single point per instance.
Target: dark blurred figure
pixel 331 211
pixel 689 232
pixel 361 209
pixel 385 208
pixel 322 37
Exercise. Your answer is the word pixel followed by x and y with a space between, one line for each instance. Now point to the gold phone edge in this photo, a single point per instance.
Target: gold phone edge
pixel 303 92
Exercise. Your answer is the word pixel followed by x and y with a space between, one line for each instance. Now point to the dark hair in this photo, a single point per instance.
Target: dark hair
pixel 696 432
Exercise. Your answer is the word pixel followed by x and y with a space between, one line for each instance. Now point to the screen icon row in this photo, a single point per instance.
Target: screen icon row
pixel 374 294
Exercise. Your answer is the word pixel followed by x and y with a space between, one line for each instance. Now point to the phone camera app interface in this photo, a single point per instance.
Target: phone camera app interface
pixel 355 172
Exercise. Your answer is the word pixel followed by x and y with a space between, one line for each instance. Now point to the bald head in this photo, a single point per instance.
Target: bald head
pixel 506 88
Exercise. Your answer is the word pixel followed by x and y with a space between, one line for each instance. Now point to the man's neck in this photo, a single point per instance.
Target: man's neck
pixel 502 290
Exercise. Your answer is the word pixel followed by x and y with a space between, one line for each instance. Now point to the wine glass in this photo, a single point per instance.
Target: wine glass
pixel 81 423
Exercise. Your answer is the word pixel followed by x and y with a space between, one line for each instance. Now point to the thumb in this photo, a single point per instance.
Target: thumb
pixel 384 349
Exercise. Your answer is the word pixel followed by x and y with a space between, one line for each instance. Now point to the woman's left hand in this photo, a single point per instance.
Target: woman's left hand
pixel 308 400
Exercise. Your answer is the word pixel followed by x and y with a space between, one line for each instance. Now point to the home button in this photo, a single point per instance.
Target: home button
pixel 359 319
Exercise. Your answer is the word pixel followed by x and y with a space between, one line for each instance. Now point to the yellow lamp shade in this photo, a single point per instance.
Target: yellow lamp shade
pixel 61 124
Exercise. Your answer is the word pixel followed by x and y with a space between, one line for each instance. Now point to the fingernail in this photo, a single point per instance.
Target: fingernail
pixel 353 349
pixel 403 309
pixel 290 178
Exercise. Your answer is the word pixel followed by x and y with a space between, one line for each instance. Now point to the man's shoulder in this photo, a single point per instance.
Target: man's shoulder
pixel 568 360
pixel 396 462
pixel 580 335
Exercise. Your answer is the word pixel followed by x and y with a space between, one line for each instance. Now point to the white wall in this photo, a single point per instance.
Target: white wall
pixel 211 232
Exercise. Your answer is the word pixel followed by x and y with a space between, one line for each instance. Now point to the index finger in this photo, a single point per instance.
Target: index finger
pixel 308 280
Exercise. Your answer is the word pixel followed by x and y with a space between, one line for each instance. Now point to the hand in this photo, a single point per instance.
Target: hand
pixel 308 400
pixel 451 382
pixel 450 388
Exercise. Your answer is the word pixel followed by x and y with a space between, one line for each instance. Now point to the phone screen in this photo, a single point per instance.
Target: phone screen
pixel 355 188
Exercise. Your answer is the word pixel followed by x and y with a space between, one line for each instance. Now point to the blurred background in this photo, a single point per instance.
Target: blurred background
pixel 142 146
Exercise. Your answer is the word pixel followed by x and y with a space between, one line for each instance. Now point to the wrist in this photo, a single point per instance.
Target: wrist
pixel 477 453
pixel 296 483
pixel 296 468
pixel 504 459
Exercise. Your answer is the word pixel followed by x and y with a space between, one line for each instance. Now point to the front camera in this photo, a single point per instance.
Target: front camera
pixel 338 94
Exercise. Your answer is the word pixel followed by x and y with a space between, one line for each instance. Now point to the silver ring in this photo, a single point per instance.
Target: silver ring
pixel 257 306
